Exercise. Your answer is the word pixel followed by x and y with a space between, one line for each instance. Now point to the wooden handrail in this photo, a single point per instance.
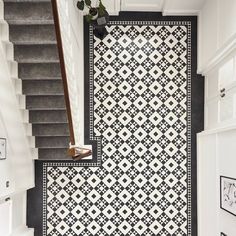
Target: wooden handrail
pixel 63 69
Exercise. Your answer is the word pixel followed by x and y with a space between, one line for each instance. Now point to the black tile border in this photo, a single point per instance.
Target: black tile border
pixel 35 201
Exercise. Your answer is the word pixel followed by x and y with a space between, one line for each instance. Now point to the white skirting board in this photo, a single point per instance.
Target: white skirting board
pixel 23 232
pixel 5 218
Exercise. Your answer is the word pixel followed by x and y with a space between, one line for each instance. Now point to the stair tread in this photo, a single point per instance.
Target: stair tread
pixel 35 61
pixel 21 1
pixel 41 63
pixel 46 122
pixel 30 22
pixel 53 148
pixel 42 79
pixel 62 123
pixel 49 135
pixel 45 109
pixel 49 94
pixel 19 43
pixel 54 136
pixel 45 95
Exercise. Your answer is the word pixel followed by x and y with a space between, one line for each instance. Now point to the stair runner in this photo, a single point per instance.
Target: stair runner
pixel 32 32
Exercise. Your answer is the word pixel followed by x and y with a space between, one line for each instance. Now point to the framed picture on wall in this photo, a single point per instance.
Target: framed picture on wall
pixel 228 194
pixel 3 148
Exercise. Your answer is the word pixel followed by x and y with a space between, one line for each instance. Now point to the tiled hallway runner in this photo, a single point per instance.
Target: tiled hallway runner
pixel 140 107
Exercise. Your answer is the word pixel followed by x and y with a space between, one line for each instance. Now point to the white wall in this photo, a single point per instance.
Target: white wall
pixel 182 7
pixel 216 157
pixel 18 168
pixel 217 32
pixel 208 195
pixel 216 145
pixel 167 7
pixel 141 5
pixel 227 167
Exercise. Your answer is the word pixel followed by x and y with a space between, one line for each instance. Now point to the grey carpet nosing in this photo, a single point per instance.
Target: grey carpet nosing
pixel 44 95
pixel 47 122
pixel 51 148
pixel 39 62
pixel 35 61
pixel 32 43
pixel 49 94
pixel 49 135
pixel 61 123
pixel 44 109
pixel 24 1
pixel 53 136
pixel 30 22
pixel 42 79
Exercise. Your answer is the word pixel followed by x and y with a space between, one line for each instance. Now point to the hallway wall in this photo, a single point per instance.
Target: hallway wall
pixel 16 171
pixel 217 32
pixel 216 145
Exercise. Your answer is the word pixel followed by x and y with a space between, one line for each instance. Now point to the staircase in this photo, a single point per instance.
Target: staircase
pixel 31 30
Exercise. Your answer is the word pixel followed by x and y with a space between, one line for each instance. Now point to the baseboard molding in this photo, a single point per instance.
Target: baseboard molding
pixel 221 129
pixel 141 7
pixel 180 12
pixel 23 231
pixel 1 10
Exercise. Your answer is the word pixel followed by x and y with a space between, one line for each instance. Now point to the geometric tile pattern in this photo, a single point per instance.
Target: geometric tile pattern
pixel 140 107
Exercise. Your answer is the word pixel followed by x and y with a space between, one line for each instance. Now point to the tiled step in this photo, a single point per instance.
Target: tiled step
pixel 47 117
pixel 45 102
pixel 52 142
pixel 32 33
pixel 36 53
pixel 40 70
pixel 53 154
pixel 50 130
pixel 33 10
pixel 42 87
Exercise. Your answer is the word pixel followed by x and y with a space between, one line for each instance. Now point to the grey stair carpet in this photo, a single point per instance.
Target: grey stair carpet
pixel 32 32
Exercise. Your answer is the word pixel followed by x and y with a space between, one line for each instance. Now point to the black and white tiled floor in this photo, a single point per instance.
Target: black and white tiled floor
pixel 140 108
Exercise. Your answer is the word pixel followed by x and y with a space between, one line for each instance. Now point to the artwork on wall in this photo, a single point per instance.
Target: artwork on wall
pixel 3 148
pixel 228 194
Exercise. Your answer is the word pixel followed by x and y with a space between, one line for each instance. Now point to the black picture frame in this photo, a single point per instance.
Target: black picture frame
pixel 227 195
pixel 5 156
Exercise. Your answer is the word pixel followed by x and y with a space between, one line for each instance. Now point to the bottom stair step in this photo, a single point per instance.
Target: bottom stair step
pixel 53 154
pixel 52 142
